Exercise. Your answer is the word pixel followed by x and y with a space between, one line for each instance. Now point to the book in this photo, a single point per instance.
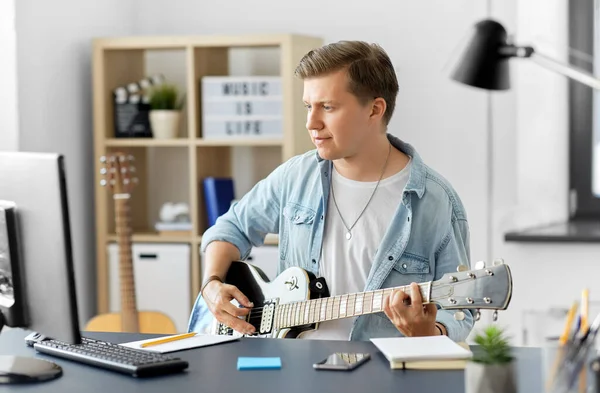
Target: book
pixel 424 353
pixel 218 195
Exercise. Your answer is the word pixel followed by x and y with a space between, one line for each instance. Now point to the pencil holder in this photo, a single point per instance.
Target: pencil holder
pixel 568 368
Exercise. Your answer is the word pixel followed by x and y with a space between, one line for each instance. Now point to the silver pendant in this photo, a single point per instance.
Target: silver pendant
pixel 348 236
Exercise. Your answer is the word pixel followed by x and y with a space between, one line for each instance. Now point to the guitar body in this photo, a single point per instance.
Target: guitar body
pixel 292 286
pixel 148 322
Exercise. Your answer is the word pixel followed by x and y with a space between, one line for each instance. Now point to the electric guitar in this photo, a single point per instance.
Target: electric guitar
pixel 117 177
pixel 296 301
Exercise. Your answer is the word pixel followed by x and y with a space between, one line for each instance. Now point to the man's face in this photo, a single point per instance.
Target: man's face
pixel 337 122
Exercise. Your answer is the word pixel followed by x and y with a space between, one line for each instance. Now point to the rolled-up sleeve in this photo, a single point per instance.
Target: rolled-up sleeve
pixel 252 217
pixel 453 252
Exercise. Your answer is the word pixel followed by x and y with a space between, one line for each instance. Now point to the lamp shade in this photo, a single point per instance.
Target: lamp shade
pixel 483 64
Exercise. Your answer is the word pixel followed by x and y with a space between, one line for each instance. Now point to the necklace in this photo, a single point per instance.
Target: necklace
pixel 349 229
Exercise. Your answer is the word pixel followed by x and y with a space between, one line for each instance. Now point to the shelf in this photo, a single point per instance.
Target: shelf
pixel 149 142
pixel 150 237
pixel 576 231
pixel 270 240
pixel 134 142
pixel 181 42
pixel 240 142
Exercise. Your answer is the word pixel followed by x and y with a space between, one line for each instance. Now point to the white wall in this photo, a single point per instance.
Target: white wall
pixel 55 111
pixel 9 122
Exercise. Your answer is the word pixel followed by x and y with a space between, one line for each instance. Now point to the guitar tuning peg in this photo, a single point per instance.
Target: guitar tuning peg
pixel 477 315
pixel 480 265
pixel 495 316
pixel 498 261
pixel 132 169
pixel 131 157
pixel 103 159
pixel 462 268
pixel 103 171
pixel 103 183
pixel 125 181
pixel 459 315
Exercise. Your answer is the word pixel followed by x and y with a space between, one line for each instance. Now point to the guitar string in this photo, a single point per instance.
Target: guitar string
pixel 257 313
pixel 259 310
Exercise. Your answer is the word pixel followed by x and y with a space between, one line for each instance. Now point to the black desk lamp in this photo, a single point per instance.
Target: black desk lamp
pixel 484 63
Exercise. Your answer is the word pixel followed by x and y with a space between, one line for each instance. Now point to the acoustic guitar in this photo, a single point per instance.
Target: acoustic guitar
pixel 296 301
pixel 117 177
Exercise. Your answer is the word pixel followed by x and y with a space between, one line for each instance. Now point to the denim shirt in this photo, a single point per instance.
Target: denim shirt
pixel 427 237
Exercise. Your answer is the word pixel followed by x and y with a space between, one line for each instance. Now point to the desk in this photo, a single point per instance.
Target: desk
pixel 213 369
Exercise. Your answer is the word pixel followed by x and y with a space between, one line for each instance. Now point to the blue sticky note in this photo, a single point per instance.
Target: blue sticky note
pixel 246 363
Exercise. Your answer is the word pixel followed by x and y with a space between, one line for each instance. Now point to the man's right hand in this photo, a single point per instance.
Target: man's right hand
pixel 218 297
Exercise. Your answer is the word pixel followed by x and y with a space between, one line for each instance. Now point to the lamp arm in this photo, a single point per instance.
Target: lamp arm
pixel 567 70
pixel 551 64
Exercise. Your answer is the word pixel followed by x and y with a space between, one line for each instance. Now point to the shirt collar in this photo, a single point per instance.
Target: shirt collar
pixel 416 180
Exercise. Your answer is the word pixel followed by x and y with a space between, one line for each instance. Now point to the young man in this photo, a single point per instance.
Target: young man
pixel 363 210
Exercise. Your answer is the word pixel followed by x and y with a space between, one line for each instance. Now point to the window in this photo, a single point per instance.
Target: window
pixel 584 105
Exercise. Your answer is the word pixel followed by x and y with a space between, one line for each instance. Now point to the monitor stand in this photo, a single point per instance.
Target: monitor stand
pixel 22 369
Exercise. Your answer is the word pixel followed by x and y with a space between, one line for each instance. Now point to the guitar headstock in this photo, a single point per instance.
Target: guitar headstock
pixel 118 173
pixel 488 288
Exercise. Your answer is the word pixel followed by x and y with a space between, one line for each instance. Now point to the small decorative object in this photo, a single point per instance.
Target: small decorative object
pixel 491 369
pixel 165 111
pixel 174 219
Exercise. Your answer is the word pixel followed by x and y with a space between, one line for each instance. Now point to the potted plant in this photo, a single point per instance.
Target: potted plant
pixel 165 111
pixel 491 369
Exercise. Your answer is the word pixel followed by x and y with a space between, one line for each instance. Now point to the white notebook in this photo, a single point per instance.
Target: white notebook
pixel 408 349
pixel 200 340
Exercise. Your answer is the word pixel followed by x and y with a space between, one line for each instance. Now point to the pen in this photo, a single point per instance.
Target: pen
pixel 584 311
pixel 568 324
pixel 563 339
pixel 167 339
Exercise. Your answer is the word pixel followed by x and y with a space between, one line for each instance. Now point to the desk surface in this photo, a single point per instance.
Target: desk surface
pixel 213 369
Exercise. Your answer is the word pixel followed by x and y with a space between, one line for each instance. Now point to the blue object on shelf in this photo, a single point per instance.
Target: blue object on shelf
pixel 218 194
pixel 261 363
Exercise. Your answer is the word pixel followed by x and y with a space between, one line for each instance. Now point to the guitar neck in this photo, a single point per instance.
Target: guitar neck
pixel 338 307
pixel 129 315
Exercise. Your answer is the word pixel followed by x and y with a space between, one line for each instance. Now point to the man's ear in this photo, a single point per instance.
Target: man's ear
pixel 378 108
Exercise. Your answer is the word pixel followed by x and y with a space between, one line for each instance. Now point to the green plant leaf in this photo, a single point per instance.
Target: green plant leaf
pixel 165 97
pixel 493 347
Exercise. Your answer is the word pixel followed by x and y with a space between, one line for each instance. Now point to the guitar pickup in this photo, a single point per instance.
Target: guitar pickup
pixel 268 315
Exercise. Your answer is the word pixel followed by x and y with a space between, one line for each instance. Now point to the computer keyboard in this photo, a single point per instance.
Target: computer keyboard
pixel 114 357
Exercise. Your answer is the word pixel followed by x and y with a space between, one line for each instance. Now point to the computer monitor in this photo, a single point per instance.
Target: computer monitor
pixel 37 280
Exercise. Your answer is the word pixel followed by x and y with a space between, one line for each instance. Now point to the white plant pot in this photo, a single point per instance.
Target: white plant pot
pixel 165 123
pixel 489 378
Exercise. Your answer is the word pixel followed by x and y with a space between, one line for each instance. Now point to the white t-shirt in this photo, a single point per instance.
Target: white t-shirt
pixel 345 264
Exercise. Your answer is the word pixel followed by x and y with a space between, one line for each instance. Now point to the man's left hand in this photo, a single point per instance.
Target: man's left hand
pixel 411 320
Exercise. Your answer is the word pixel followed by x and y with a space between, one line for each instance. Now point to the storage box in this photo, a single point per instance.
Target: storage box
pixel 162 280
pixel 240 86
pixel 247 126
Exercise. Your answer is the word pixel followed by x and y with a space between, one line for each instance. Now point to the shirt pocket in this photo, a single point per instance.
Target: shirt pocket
pixel 412 267
pixel 297 232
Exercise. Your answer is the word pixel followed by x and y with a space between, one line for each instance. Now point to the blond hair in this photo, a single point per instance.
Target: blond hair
pixel 370 70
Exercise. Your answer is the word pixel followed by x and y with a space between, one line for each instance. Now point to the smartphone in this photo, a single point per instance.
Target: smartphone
pixel 342 361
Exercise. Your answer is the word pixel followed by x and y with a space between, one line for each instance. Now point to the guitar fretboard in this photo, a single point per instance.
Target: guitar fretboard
pixel 128 299
pixel 337 307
